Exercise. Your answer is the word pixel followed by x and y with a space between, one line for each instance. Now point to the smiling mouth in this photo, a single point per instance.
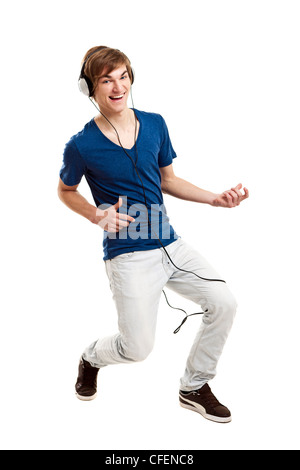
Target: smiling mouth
pixel 117 98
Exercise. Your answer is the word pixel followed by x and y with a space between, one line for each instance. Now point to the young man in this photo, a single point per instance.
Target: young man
pixel 126 157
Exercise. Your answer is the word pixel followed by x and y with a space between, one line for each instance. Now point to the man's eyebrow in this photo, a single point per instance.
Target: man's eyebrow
pixel 109 76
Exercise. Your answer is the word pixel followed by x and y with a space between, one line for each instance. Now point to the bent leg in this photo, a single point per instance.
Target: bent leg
pixel 136 280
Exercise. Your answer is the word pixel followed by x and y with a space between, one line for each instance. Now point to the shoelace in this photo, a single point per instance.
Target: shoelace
pixel 208 398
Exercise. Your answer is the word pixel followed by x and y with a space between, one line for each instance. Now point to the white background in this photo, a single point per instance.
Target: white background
pixel 225 75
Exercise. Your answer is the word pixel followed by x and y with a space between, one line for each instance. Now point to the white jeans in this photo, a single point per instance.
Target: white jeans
pixel 137 280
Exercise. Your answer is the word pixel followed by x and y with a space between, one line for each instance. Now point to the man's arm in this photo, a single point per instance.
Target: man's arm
pixel 76 202
pixel 182 189
pixel 110 220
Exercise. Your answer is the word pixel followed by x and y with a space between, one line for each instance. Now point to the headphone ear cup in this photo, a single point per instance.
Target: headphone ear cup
pixel 133 75
pixel 83 86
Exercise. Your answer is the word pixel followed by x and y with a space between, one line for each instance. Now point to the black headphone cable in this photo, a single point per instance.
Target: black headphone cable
pixel 144 194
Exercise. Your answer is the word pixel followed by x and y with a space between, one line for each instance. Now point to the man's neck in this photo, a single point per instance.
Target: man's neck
pixel 121 120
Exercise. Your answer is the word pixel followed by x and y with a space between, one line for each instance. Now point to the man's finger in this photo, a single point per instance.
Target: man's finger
pixel 233 194
pixel 228 197
pixel 118 204
pixel 244 196
pixel 125 217
pixel 121 223
pixel 246 193
pixel 237 192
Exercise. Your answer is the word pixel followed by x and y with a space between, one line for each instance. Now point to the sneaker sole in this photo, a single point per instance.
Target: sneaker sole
pixel 203 413
pixel 82 398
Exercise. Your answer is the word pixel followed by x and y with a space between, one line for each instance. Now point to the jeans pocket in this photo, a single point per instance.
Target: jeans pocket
pixel 124 256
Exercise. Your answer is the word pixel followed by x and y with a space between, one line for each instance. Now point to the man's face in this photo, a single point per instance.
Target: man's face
pixel 112 90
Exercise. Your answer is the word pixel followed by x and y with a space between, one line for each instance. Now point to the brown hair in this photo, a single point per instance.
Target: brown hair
pixel 105 58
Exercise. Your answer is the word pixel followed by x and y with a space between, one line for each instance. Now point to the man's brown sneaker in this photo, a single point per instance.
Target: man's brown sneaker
pixel 204 402
pixel 86 385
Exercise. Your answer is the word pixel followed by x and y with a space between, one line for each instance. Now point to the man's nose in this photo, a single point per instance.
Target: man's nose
pixel 117 86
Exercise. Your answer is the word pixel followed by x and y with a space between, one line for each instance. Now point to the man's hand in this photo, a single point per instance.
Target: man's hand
pixel 231 198
pixel 111 220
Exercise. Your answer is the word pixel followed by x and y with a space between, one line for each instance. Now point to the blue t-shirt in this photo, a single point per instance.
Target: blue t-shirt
pixel 110 174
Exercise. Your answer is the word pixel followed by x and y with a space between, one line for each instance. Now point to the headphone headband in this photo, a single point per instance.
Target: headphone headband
pixel 84 83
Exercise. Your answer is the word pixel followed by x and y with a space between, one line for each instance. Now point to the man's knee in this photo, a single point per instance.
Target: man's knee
pixel 138 352
pixel 229 303
pixel 222 304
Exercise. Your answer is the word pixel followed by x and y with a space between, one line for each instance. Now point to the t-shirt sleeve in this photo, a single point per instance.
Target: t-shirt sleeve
pixel 166 153
pixel 73 167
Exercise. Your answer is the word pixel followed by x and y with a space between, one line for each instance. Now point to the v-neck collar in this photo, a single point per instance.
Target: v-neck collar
pixel 117 145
